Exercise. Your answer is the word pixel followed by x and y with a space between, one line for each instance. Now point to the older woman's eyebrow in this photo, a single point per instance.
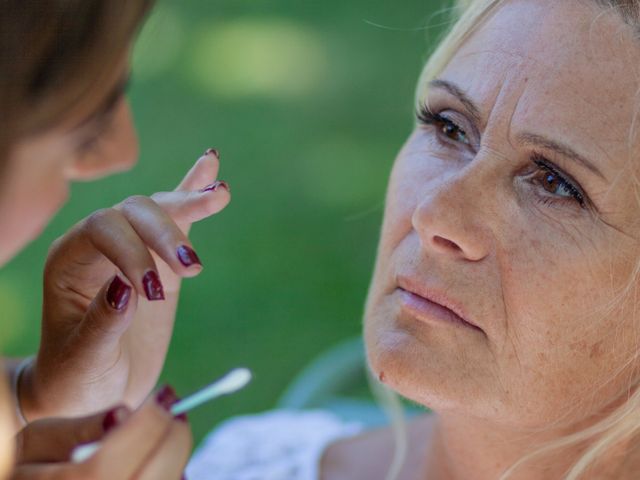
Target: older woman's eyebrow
pixel 539 141
pixel 524 138
pixel 457 92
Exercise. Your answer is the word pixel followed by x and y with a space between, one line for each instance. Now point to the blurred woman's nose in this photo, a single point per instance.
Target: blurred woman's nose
pixel 452 217
pixel 115 150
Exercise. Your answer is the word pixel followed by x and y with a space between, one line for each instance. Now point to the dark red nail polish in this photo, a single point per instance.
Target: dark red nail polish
pixel 166 397
pixel 187 256
pixel 182 417
pixel 152 286
pixel 214 186
pixel 212 151
pixel 118 293
pixel 113 418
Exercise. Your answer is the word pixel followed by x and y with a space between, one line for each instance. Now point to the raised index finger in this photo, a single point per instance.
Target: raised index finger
pixel 203 173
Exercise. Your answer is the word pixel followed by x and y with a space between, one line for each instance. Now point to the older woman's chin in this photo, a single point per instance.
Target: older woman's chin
pixel 446 373
pixel 400 360
pixel 392 359
pixel 458 378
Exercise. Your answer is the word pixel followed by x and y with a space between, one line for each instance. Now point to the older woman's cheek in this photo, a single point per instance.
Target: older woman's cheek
pixel 401 201
pixel 417 171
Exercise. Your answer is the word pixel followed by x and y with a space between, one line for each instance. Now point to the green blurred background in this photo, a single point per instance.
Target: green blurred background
pixel 308 103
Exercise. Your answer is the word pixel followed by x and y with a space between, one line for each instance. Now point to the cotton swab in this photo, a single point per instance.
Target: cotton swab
pixel 230 383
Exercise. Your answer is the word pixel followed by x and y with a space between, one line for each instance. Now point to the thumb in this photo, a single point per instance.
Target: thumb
pixel 53 439
pixel 107 318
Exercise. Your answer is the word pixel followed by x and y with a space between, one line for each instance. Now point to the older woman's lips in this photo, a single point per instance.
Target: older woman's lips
pixel 430 312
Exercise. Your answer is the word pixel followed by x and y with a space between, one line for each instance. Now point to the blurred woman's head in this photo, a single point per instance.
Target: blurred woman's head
pixel 514 203
pixel 63 70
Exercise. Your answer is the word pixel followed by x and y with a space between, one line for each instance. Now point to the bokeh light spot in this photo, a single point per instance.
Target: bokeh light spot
pixel 258 57
pixel 159 44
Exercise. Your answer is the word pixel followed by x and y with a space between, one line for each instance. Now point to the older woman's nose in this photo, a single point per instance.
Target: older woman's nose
pixel 452 219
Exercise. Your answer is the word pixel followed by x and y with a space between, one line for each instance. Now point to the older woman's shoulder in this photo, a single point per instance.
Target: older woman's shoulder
pixel 280 444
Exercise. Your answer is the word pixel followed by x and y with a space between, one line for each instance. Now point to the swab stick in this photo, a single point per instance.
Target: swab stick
pixel 230 383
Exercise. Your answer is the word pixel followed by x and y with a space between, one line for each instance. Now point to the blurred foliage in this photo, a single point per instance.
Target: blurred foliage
pixel 308 103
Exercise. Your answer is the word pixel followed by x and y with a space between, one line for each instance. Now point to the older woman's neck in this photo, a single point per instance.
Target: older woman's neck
pixel 462 448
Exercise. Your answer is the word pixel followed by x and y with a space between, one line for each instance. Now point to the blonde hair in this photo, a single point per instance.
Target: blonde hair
pixel 624 422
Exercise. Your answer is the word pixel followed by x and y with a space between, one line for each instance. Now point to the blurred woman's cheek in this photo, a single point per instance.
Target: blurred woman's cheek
pixel 40 169
pixel 34 181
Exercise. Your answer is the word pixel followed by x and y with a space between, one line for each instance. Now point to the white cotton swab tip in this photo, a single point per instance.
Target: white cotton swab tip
pixel 230 383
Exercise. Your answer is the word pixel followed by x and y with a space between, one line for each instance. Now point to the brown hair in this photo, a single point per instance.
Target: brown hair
pixel 53 54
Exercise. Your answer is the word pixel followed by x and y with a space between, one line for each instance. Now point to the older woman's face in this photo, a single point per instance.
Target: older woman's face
pixel 514 200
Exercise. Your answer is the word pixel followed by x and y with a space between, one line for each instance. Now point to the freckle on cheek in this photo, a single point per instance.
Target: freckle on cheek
pixel 596 350
pixel 579 346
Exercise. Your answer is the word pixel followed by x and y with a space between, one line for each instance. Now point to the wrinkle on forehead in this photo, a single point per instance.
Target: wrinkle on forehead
pixel 562 66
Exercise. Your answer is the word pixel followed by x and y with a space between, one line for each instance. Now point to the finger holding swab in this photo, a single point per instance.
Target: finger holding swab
pixel 233 381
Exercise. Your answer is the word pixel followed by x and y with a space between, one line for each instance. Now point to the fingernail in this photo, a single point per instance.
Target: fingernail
pixel 212 151
pixel 118 293
pixel 214 186
pixel 113 418
pixel 166 397
pixel 187 256
pixel 182 417
pixel 152 286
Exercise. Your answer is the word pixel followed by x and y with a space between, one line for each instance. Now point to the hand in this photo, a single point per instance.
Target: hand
pixel 107 317
pixel 146 445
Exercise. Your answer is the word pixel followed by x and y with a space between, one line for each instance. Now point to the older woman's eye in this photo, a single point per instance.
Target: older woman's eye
pixel 553 182
pixel 444 125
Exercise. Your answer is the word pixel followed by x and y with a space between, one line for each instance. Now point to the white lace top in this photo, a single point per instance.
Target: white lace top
pixel 277 445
